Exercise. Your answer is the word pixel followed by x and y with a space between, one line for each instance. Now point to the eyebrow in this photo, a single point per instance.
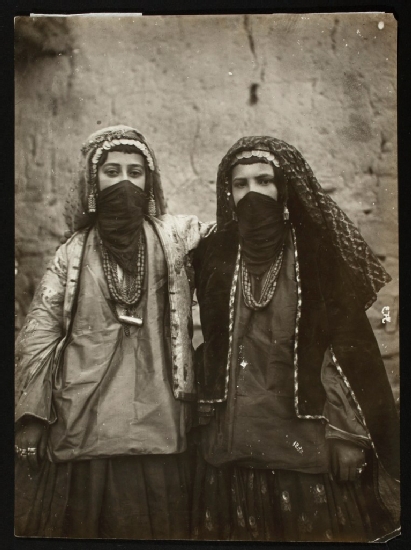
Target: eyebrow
pixel 262 175
pixel 118 164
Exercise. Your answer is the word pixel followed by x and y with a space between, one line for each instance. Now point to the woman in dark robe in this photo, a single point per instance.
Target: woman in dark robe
pixel 104 375
pixel 300 429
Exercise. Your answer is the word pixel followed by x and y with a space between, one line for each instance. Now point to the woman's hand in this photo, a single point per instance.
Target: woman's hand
pixel 31 441
pixel 347 460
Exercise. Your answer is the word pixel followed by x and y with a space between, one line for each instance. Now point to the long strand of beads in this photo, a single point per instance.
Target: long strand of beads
pixel 128 292
pixel 268 288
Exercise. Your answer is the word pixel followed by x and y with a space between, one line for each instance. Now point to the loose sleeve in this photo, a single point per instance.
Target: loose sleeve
pixel 344 422
pixel 356 354
pixel 37 342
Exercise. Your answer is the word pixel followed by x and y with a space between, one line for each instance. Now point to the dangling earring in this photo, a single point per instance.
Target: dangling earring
pixel 91 201
pixel 152 211
pixel 286 214
pixel 230 204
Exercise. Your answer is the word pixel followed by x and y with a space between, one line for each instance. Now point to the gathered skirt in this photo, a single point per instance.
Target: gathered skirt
pixel 127 497
pixel 237 503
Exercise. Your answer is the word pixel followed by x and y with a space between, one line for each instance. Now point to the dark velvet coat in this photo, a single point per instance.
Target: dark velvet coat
pixel 331 315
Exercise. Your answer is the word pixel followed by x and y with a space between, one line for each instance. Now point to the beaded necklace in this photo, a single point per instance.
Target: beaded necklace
pixel 128 292
pixel 269 286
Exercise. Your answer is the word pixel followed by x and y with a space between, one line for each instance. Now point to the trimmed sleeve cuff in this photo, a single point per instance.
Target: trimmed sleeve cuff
pixel 332 432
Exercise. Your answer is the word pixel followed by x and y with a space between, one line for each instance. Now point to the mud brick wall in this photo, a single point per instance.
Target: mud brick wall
pixel 195 84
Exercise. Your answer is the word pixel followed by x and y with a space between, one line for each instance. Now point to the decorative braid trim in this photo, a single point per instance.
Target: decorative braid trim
pixel 230 331
pixel 297 323
pixel 346 382
pixel 334 358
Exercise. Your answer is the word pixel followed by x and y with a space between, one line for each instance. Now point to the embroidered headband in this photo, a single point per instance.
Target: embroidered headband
pixel 107 145
pixel 255 153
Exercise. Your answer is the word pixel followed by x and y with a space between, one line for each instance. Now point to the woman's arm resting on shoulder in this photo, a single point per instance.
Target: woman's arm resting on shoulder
pixel 192 230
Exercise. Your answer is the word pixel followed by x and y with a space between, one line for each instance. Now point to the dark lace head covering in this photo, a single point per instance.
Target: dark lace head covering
pixel 76 213
pixel 365 271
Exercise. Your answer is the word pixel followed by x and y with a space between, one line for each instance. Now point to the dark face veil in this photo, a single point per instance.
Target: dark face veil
pixel 305 197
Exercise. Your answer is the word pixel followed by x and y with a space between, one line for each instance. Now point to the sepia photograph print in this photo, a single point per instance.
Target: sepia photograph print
pixel 206 267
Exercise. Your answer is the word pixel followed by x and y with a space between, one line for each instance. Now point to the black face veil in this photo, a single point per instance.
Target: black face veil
pixel 262 230
pixel 120 213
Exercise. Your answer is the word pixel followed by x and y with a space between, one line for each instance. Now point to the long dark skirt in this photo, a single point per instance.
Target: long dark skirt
pixel 139 497
pixel 234 503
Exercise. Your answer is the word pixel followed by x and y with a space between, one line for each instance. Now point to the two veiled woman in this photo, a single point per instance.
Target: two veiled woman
pixel 300 428
pixel 104 360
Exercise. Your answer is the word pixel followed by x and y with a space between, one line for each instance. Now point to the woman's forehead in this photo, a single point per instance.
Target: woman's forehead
pixel 121 157
pixel 251 170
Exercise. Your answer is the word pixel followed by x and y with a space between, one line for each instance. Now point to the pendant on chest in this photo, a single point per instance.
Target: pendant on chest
pixel 135 321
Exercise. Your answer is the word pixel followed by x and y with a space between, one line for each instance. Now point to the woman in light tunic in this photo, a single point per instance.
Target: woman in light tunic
pixel 299 423
pixel 104 360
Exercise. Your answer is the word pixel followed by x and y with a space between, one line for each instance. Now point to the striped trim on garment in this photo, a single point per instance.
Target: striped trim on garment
pixel 334 358
pixel 346 382
pixel 297 325
pixel 230 331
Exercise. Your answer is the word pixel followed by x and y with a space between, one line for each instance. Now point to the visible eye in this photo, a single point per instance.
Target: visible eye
pixel 239 184
pixel 111 172
pixel 135 173
pixel 266 181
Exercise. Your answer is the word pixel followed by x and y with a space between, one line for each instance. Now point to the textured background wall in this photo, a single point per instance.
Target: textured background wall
pixel 195 84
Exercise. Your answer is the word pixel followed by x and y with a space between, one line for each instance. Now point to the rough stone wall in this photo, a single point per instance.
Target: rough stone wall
pixel 195 84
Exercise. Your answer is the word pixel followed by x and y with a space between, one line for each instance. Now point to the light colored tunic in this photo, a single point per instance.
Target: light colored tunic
pixel 112 394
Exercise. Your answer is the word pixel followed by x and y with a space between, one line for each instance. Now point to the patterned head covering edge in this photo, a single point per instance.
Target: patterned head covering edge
pixel 76 214
pixel 365 271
